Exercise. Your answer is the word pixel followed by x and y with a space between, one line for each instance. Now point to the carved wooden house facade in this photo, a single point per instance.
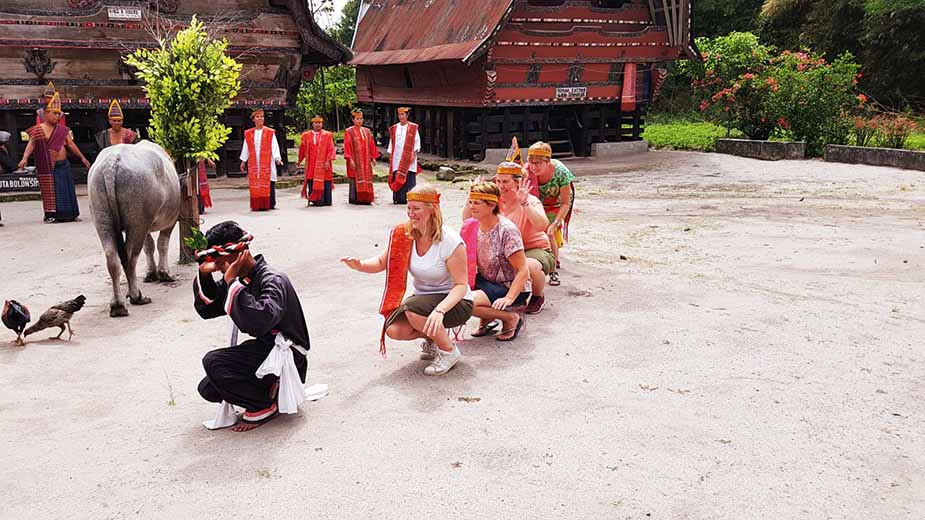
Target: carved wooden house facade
pixel 79 45
pixel 477 72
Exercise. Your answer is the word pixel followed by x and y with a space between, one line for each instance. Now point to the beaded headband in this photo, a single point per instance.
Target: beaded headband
pixel 432 198
pixel 317 119
pixel 208 255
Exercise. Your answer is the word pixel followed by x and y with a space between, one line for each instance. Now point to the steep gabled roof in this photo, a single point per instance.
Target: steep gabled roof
pixel 316 43
pixel 412 31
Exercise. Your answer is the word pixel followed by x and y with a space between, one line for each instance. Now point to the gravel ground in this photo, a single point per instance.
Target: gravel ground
pixel 732 339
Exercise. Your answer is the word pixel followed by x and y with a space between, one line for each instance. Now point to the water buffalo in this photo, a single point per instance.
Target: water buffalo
pixel 133 190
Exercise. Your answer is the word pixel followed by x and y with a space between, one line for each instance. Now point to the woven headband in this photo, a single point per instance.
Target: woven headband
pixel 510 170
pixel 490 197
pixel 208 255
pixel 539 152
pixel 433 198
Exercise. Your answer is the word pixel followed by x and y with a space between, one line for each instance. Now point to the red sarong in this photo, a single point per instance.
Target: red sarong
pixel 259 170
pixel 44 151
pixel 204 192
pixel 360 146
pixel 316 157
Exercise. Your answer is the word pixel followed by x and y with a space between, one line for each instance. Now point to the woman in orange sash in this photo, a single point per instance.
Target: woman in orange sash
pixel 435 255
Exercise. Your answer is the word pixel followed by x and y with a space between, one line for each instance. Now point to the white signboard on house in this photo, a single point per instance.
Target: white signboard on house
pixel 124 13
pixel 571 92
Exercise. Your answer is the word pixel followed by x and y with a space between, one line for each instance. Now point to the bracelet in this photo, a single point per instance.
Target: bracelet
pixel 441 312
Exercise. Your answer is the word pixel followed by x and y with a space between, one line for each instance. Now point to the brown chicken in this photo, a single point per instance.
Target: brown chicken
pixel 59 315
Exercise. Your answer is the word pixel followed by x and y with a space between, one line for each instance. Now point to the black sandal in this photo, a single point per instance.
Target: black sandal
pixel 515 330
pixel 487 330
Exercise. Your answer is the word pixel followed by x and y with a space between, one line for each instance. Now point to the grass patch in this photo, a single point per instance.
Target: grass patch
pixel 686 135
pixel 916 141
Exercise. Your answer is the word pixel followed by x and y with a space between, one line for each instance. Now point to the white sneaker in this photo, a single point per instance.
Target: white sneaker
pixel 428 349
pixel 443 362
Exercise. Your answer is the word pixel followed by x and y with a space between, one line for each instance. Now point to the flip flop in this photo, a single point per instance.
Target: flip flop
pixel 487 330
pixel 515 330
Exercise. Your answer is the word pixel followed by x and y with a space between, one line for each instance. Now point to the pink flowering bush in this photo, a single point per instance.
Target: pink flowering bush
pixel 745 85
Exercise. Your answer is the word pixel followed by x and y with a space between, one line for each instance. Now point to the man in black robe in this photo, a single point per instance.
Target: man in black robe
pixel 262 303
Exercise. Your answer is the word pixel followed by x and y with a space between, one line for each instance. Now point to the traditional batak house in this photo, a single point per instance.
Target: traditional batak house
pixel 79 44
pixel 477 72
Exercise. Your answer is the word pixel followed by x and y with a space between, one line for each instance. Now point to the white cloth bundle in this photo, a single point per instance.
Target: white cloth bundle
pixel 279 362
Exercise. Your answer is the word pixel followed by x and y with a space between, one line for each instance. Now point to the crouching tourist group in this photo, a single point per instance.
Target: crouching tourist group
pixel 494 268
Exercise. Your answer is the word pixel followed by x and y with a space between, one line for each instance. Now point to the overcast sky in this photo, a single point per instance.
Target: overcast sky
pixel 328 22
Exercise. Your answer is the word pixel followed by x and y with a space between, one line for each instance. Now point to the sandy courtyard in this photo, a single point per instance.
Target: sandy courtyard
pixel 733 339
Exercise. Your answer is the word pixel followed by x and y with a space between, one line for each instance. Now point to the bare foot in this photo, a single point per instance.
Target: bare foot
pixel 244 426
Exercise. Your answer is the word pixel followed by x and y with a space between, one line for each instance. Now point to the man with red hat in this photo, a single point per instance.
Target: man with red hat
pixel 317 153
pixel 259 157
pixel 404 145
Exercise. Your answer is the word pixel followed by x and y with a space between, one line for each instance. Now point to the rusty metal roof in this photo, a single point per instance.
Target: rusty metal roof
pixel 412 31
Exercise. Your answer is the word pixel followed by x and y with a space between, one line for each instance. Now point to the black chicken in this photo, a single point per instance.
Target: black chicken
pixel 59 315
pixel 16 317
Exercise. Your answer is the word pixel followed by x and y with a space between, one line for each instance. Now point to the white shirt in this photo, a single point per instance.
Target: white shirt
pixel 245 153
pixel 400 133
pixel 430 273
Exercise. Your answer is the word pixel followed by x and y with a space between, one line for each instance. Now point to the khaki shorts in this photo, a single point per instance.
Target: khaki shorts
pixel 544 257
pixel 424 304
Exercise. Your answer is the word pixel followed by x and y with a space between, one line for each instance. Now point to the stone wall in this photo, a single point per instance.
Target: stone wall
pixel 907 159
pixel 619 149
pixel 765 150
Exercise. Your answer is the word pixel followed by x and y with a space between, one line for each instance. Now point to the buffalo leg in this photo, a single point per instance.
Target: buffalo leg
pixel 151 275
pixel 117 304
pixel 134 242
pixel 163 246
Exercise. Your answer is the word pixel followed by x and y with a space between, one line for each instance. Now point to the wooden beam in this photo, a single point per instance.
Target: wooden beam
pixel 652 11
pixel 667 14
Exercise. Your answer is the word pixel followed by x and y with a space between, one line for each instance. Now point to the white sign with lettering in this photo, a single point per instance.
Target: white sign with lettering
pixel 571 92
pixel 124 13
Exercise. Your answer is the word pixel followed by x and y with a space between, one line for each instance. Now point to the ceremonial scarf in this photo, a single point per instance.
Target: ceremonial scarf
pixel 259 168
pixel 628 94
pixel 204 186
pixel 470 235
pixel 363 174
pixel 44 151
pixel 397 179
pixel 396 275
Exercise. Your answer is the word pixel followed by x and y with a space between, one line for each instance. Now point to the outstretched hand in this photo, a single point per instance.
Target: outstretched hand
pixel 354 263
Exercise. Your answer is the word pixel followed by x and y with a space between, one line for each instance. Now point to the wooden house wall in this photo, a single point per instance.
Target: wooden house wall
pixel 442 83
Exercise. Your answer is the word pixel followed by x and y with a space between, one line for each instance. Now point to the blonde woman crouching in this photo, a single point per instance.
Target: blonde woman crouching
pixel 435 256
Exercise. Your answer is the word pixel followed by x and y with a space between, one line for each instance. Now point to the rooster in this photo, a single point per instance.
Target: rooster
pixel 59 315
pixel 16 317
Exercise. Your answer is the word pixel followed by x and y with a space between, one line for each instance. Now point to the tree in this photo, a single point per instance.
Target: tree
pixel 332 93
pixel 189 82
pixel 343 31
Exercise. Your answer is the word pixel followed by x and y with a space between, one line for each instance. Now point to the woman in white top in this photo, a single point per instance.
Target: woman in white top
pixel 442 298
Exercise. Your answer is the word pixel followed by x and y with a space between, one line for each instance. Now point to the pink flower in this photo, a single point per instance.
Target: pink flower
pixel 749 75
pixel 783 123
pixel 862 99
pixel 704 105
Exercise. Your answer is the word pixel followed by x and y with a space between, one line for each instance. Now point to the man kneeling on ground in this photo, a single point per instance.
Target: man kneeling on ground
pixel 261 302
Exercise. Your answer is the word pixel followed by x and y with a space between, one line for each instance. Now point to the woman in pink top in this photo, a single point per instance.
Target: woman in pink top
pixel 526 211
